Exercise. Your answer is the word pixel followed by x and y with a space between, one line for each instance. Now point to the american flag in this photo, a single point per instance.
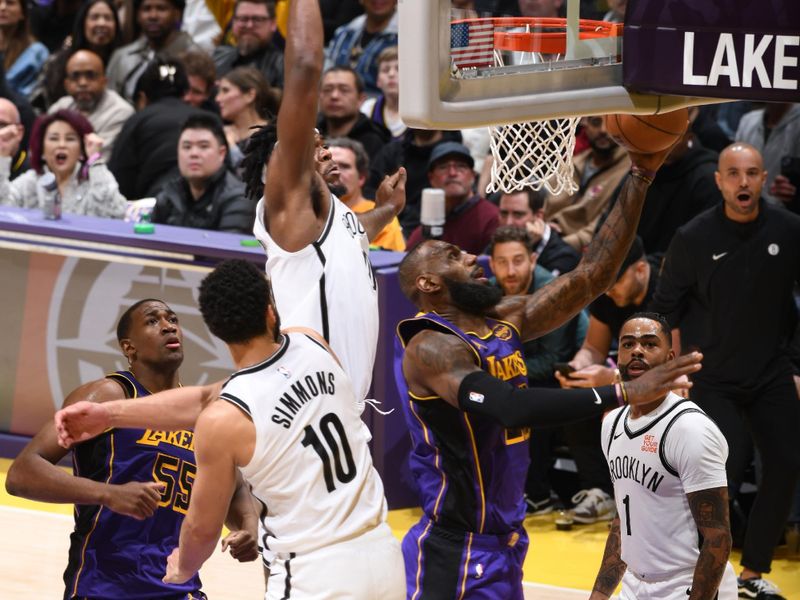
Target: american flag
pixel 472 44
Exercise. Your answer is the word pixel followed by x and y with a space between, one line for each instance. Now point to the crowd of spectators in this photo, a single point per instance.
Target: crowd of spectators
pixel 146 102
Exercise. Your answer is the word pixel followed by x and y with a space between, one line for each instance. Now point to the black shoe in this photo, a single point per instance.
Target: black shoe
pixel 759 589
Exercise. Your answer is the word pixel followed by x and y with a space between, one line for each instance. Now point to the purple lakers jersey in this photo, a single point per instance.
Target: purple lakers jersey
pixel 114 556
pixel 470 470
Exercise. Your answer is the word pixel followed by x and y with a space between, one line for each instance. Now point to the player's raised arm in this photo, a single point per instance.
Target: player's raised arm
pixel 170 410
pixel 289 210
pixel 558 301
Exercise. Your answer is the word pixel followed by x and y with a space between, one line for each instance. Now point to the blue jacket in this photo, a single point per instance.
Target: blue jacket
pixel 347 36
pixel 25 71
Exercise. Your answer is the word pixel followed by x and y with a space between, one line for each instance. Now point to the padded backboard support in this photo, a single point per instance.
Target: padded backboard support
pixel 433 97
pixel 747 49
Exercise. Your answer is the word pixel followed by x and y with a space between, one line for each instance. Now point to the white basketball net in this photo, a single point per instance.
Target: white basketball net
pixel 534 154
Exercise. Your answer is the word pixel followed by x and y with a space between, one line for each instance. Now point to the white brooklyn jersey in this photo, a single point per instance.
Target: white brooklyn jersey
pixel 311 469
pixel 329 286
pixel 655 460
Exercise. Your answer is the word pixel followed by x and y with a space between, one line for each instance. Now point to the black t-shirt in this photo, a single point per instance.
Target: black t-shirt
pixel 604 310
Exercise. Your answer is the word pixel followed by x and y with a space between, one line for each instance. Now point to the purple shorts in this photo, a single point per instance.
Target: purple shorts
pixel 444 564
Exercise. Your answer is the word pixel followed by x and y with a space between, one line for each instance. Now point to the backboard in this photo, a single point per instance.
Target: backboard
pixel 458 72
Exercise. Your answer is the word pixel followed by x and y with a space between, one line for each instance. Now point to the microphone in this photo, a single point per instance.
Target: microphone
pixel 432 211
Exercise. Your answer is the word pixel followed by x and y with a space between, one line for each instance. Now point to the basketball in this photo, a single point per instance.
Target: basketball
pixel 648 133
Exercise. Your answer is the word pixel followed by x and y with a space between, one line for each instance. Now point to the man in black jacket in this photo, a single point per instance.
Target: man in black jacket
pixel 340 96
pixel 727 286
pixel 253 24
pixel 206 195
pixel 682 189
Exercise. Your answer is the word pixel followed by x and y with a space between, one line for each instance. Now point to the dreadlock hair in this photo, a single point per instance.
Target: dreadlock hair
pixel 256 156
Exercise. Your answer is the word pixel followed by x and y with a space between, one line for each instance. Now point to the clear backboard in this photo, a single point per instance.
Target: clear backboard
pixel 463 66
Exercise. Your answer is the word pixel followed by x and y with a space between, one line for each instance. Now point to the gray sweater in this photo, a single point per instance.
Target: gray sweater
pixel 96 196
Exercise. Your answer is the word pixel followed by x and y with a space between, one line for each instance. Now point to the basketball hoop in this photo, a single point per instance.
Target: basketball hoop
pixel 536 154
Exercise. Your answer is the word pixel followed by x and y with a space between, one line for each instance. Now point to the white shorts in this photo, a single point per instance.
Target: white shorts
pixel 676 588
pixel 365 568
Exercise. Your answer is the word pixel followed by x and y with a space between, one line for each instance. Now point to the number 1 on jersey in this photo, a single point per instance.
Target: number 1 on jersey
pixel 627 502
pixel 327 425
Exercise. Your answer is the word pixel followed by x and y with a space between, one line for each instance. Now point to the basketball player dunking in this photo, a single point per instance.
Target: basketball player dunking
pixel 671 537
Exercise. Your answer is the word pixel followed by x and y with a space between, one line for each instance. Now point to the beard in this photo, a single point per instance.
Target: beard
pixel 603 152
pixel 474 298
pixel 337 189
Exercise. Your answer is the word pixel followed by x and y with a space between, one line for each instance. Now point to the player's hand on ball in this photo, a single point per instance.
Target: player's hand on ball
pixel 81 421
pixel 242 544
pixel 174 574
pixel 135 499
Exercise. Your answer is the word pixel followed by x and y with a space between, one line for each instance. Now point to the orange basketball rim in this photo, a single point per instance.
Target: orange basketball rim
pixel 542 35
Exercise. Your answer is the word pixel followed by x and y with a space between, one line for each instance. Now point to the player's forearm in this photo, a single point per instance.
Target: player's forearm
pixel 373 221
pixel 35 478
pixel 242 513
pixel 612 568
pixel 197 543
pixel 710 566
pixel 170 410
pixel 605 253
pixel 304 38
pixel 483 394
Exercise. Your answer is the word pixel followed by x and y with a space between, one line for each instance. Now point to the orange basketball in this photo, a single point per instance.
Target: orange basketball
pixel 648 133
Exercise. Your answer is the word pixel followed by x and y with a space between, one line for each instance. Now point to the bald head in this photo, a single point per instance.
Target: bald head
pixel 740 177
pixel 85 80
pixel 738 149
pixel 9 114
pixel 11 131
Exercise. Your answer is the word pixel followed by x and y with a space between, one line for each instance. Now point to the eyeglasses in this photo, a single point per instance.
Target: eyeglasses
pixel 255 20
pixel 87 75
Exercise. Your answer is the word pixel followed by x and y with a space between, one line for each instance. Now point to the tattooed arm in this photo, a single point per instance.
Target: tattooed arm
pixel 557 302
pixel 440 365
pixel 434 364
pixel 710 512
pixel 612 568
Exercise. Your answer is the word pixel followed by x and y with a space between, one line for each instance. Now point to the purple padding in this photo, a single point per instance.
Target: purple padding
pixel 10 444
pixel 737 49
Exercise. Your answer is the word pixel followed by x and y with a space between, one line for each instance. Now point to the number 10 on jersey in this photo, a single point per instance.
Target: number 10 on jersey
pixel 335 444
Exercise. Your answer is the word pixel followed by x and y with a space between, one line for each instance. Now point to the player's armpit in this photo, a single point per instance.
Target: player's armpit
pixel 612 568
pixel 710 511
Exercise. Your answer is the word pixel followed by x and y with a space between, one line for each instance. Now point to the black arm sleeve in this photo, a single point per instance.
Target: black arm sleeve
pixel 482 394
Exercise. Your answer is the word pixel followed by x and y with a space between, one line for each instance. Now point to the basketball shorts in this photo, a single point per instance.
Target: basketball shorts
pixel 675 588
pixel 367 567
pixel 443 563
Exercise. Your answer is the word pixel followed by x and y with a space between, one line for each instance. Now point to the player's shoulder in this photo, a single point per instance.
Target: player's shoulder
pixel 689 424
pixel 99 390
